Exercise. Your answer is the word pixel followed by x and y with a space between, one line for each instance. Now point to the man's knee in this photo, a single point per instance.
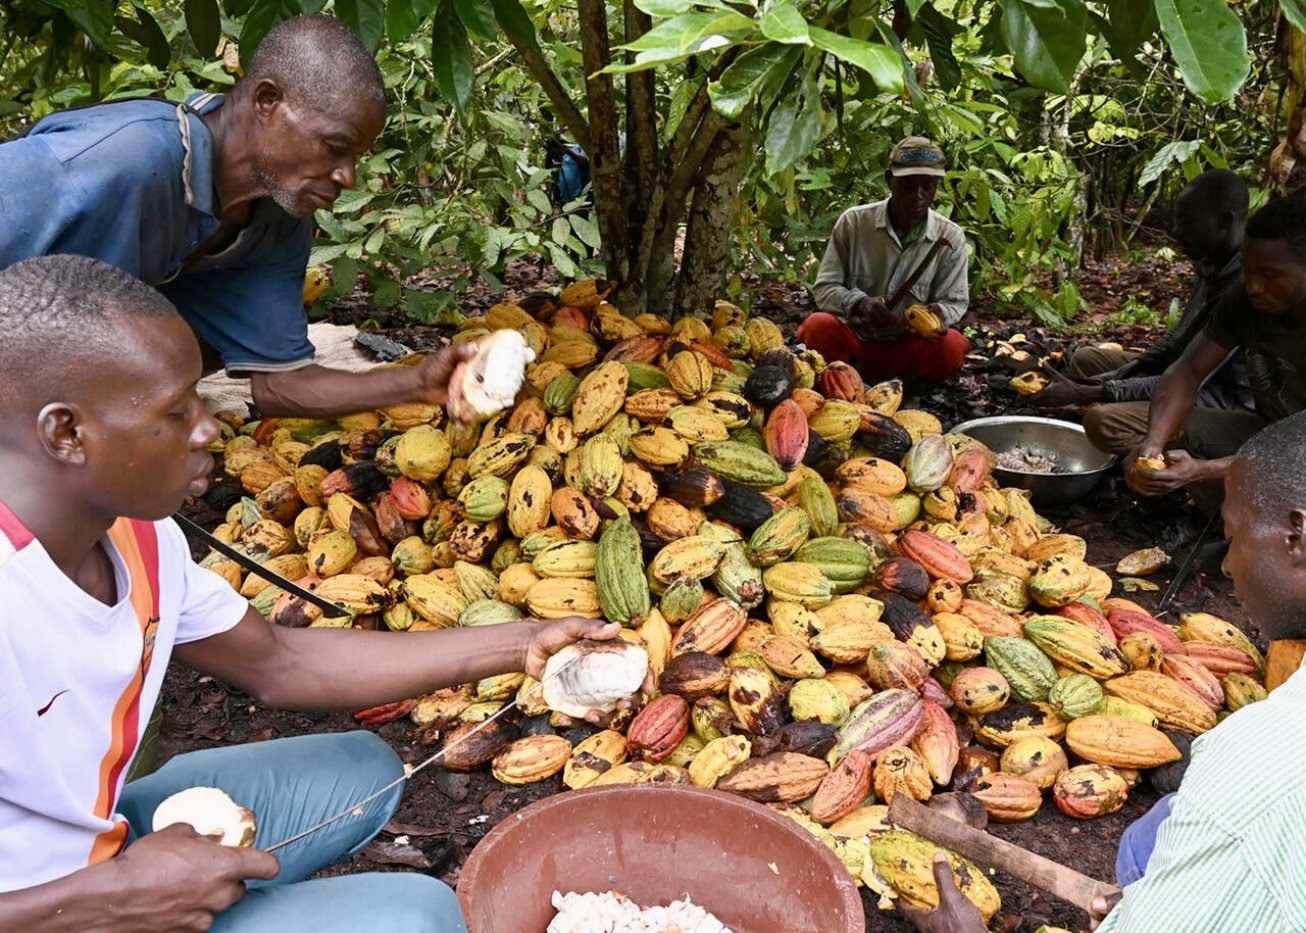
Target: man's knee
pixel 368 751
pixel 946 357
pixel 410 903
pixel 1111 429
pixel 418 904
pixel 829 336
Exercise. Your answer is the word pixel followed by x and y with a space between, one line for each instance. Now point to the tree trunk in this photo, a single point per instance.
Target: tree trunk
pixel 640 183
pixel 712 215
pixel 605 147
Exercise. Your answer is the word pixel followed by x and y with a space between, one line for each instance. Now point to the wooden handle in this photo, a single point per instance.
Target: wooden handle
pixel 991 852
pixel 901 291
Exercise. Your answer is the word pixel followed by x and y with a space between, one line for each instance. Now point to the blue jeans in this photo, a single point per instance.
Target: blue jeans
pixel 1138 841
pixel 292 784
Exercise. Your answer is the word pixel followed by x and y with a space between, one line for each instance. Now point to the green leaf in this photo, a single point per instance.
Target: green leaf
pixel 685 34
pixel 1295 11
pixel 516 22
pixel 401 20
pixel 791 134
pixel 1209 46
pixel 785 24
pixel 95 18
pixel 145 32
pixel 875 59
pixel 328 253
pixel 561 231
pixel 731 93
pixel 565 264
pixel 663 8
pixel 386 294
pixel 204 23
pixel 939 32
pixel 1132 23
pixel 478 17
pixel 586 230
pixel 262 16
pixel 451 56
pixel 1047 41
pixel 539 200
pixel 366 17
pixel 351 199
pixel 1179 151
pixel 344 275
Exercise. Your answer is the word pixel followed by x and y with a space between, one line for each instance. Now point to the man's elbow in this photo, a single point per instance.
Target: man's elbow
pixel 271 393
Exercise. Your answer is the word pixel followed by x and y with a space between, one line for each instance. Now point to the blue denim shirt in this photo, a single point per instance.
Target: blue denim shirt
pixel 131 183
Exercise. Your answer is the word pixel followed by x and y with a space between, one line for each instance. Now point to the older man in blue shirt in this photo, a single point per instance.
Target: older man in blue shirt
pixel 211 202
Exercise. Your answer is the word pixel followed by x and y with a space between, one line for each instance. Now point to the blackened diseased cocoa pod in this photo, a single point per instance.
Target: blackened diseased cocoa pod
pixel 884 437
pixel 772 380
pixel 693 488
pixel 903 576
pixel 816 449
pixel 808 737
pixel 741 506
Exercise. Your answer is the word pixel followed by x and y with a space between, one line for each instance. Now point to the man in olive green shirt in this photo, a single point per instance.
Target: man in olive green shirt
pixel 1264 314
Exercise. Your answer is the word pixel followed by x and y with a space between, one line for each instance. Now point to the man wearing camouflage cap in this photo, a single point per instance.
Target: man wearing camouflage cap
pixel 874 251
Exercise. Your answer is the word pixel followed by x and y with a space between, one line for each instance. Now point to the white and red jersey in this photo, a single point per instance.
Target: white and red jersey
pixel 79 680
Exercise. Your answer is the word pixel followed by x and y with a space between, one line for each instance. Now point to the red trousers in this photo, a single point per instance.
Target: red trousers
pixel 885 359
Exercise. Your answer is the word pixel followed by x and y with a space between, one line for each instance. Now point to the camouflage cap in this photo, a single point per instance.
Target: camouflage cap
pixel 917 155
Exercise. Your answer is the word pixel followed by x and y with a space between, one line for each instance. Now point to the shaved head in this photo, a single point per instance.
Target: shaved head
pixel 318 62
pixel 1273 468
pixel 62 317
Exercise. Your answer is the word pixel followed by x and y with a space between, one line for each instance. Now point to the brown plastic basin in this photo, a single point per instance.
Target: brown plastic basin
pixel 757 871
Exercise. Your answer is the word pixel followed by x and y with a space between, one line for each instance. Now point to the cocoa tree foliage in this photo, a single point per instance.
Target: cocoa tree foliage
pixel 719 134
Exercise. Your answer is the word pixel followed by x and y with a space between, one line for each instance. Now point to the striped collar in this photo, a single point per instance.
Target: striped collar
pixel 197 168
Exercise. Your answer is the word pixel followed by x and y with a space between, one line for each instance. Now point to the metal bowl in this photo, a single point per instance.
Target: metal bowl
pixel 1064 443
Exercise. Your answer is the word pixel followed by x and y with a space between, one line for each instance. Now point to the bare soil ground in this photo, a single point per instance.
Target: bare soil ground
pixel 445 814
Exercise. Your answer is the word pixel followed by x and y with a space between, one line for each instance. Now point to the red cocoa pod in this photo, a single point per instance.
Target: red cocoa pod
pixel 1008 798
pixel 1085 614
pixel 1125 622
pixel 786 434
pixel 842 381
pixel 644 348
pixel 934 692
pixel 843 789
pixel 659 727
pixel 1193 674
pixel 940 559
pixel 969 470
pixel 1086 791
pixel 411 499
pixel 386 712
pixel 1221 660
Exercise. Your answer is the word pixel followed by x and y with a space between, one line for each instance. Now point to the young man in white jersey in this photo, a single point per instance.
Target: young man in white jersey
pixel 102 436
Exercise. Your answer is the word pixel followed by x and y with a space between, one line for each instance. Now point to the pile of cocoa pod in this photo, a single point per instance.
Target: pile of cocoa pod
pixel 838 602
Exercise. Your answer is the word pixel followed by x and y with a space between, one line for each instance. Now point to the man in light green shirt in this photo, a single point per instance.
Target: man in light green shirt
pixel 1229 857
